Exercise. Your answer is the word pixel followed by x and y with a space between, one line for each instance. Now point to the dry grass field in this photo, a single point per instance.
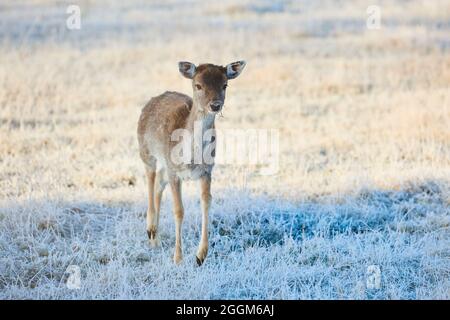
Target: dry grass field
pixel 363 118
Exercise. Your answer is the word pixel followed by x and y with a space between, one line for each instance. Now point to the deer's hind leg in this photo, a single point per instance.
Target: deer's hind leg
pixel 160 184
pixel 151 213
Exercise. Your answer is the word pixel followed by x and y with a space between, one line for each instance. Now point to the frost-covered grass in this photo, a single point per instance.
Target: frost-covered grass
pixel 260 248
pixel 364 150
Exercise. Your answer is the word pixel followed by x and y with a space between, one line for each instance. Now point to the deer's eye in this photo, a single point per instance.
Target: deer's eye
pixel 225 86
pixel 198 87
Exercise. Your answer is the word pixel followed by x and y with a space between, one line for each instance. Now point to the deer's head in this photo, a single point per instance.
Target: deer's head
pixel 209 82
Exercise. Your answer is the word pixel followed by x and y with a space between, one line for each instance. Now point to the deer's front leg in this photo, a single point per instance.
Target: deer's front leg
pixel 178 211
pixel 205 185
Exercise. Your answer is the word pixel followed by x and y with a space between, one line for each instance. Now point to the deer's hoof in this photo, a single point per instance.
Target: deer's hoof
pixel 201 254
pixel 199 261
pixel 153 238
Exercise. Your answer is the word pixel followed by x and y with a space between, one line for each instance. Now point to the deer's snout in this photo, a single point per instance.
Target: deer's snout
pixel 216 105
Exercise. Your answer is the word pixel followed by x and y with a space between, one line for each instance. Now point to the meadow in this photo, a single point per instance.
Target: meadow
pixel 363 117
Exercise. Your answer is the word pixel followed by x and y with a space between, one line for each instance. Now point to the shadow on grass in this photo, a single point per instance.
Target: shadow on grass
pixel 246 220
pixel 272 222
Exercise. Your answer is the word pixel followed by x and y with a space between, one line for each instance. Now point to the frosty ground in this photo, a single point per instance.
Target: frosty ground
pixel 364 150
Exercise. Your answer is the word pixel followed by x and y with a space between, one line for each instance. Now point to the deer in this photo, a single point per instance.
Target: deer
pixel 160 118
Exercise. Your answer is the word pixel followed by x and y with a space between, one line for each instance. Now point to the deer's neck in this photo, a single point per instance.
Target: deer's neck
pixel 198 118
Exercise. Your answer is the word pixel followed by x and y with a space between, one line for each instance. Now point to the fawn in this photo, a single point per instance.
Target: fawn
pixel 160 118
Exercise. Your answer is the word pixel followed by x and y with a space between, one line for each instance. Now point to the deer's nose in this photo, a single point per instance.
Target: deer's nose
pixel 216 105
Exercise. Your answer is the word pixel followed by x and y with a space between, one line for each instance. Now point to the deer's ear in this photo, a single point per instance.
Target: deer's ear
pixel 187 69
pixel 235 68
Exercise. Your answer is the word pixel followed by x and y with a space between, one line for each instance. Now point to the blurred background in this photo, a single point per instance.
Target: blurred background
pixel 363 112
pixel 355 106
